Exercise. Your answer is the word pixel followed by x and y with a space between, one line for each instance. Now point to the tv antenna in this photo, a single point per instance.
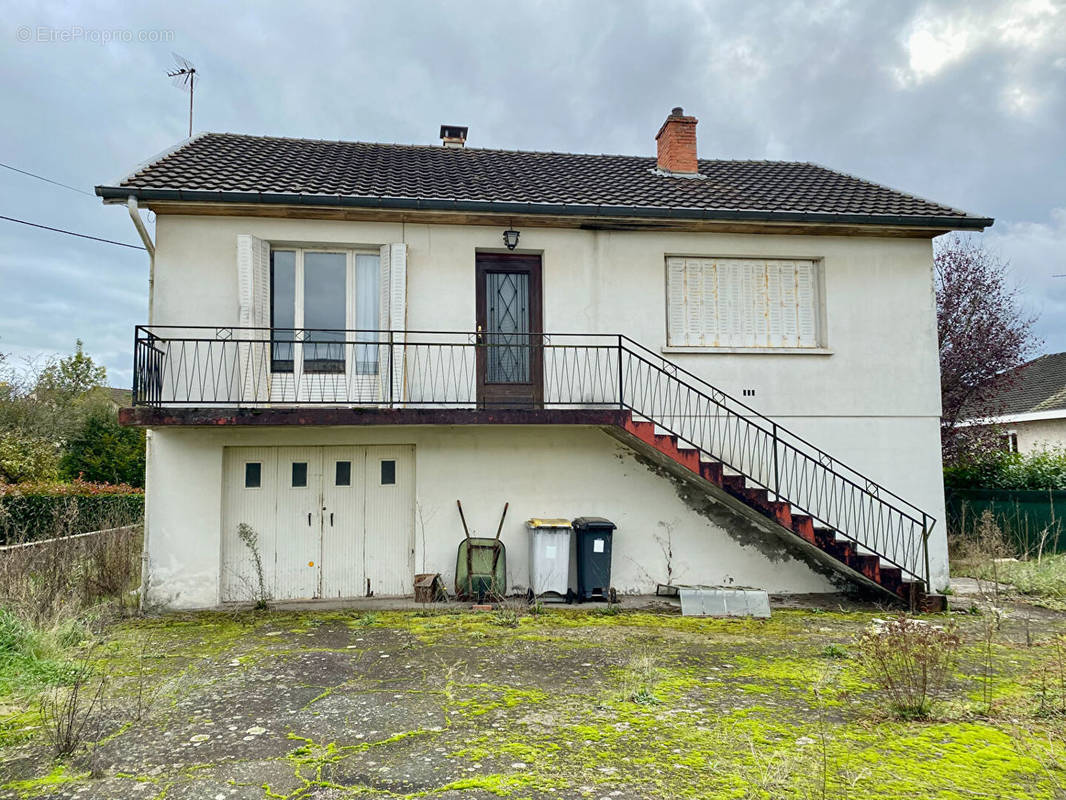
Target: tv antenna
pixel 184 78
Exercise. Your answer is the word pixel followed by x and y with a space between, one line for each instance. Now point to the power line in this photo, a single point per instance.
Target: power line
pixel 46 180
pixel 71 233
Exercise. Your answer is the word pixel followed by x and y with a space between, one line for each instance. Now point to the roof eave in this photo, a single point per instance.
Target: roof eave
pixel 120 193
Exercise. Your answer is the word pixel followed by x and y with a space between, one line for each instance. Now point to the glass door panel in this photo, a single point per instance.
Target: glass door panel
pixel 325 311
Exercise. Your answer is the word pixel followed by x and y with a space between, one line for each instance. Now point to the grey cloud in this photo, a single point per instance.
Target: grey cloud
pixel 840 83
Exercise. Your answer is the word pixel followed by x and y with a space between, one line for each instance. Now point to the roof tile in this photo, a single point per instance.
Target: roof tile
pixel 239 163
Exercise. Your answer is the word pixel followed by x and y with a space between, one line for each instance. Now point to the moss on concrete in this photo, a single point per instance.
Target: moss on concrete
pixel 567 703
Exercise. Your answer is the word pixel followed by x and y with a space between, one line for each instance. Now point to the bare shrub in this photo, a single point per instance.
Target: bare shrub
pixel 911 661
pixel 72 713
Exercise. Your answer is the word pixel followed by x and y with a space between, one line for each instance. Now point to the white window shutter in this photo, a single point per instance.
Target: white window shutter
pixel 253 291
pixel 398 316
pixel 393 317
pixel 675 302
pixel 386 287
pixel 806 305
pixel 751 303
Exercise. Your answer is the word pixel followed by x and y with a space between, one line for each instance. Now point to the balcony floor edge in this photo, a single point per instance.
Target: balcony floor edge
pixel 158 417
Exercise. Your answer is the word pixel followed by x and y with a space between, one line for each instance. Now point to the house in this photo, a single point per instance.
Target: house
pixel 1030 405
pixel 734 361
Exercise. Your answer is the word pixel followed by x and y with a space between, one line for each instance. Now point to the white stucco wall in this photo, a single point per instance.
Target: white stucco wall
pixel 1039 434
pixel 872 400
pixel 541 472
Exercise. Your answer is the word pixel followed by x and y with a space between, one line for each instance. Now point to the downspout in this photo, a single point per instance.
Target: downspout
pixel 149 245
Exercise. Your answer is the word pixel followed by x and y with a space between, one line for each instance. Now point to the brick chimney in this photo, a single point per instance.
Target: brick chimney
pixel 677 144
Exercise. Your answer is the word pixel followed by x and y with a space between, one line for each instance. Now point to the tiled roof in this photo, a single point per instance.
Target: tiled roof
pixel 225 166
pixel 1039 385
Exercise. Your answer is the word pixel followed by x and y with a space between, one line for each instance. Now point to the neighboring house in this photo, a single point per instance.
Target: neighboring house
pixel 119 398
pixel 347 337
pixel 1030 406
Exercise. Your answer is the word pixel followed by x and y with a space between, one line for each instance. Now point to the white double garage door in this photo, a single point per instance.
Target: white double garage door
pixel 329 522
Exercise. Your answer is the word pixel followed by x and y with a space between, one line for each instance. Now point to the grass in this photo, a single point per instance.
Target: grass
pixel 984 551
pixel 31 658
pixel 1043 580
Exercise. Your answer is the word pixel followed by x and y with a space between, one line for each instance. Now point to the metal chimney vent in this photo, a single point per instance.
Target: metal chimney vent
pixel 453 135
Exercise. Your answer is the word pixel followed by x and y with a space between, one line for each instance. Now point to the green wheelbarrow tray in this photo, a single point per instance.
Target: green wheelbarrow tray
pixel 481 569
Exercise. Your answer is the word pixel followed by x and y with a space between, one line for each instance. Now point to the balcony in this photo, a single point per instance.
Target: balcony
pixel 228 367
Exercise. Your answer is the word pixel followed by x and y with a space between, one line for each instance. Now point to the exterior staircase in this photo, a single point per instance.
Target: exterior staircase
pixel 840 553
pixel 747 461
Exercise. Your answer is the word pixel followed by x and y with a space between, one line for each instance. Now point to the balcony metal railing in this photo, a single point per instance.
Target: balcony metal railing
pixel 259 367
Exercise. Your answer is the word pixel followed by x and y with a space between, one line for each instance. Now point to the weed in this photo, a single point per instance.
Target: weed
pixel 640 676
pixel 609 610
pixel 505 617
pixel 911 661
pixel 834 650
pixel 367 620
pixel 251 540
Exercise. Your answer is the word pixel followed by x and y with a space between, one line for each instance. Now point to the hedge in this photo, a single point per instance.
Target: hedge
pixel 43 510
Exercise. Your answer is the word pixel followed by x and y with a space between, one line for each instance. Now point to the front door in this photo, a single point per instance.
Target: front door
pixel 509 352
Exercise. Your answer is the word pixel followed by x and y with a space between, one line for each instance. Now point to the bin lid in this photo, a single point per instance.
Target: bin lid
pixel 594 522
pixel 546 522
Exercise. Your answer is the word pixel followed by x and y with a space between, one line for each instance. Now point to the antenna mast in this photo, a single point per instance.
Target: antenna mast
pixel 184 78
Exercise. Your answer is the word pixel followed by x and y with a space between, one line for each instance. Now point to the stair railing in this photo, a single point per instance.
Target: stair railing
pixel 791 469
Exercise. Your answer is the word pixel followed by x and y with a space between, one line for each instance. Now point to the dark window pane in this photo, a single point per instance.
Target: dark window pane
pixel 282 308
pixel 344 473
pixel 325 301
pixel 507 334
pixel 299 473
pixel 388 472
pixel 253 475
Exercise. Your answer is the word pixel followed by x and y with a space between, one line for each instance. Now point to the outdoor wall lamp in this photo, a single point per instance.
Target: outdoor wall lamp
pixel 510 238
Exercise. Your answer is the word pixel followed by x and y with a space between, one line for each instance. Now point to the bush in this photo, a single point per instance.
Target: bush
pixel 24 457
pixel 105 452
pixel 45 510
pixel 911 661
pixel 995 469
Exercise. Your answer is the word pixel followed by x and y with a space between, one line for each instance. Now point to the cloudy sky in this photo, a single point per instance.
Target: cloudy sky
pixel 962 101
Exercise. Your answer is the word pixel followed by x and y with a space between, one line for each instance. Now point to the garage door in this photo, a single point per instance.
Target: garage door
pixel 329 521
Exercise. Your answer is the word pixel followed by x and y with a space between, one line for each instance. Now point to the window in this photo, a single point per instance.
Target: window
pixel 339 291
pixel 388 473
pixel 344 474
pixel 1010 441
pixel 735 302
pixel 253 475
pixel 299 474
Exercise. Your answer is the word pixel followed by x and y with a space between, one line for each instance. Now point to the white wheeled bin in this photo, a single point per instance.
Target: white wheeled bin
pixel 549 559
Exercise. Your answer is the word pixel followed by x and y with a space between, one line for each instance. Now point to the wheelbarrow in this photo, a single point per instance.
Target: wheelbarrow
pixel 481 564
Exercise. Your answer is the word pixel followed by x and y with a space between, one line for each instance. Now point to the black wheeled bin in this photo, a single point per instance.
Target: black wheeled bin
pixel 592 538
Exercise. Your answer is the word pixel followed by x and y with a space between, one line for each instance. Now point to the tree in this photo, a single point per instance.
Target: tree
pixel 104 451
pixel 50 401
pixel 42 406
pixel 70 378
pixel 983 333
